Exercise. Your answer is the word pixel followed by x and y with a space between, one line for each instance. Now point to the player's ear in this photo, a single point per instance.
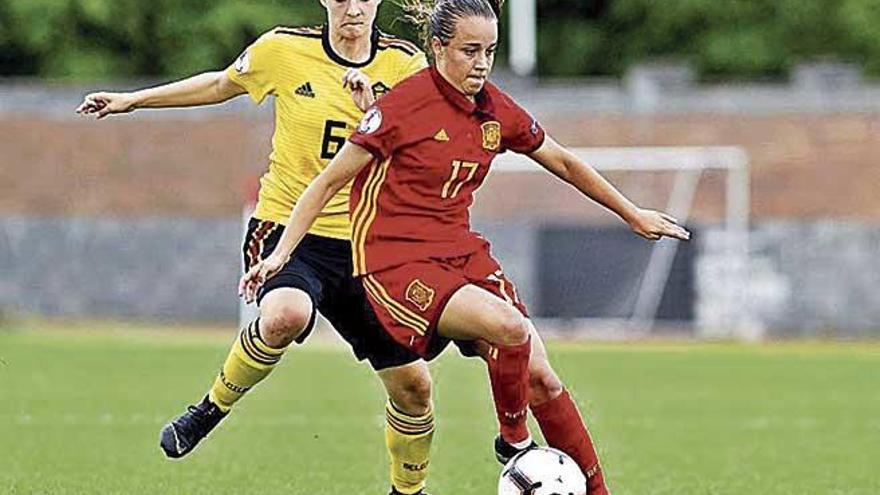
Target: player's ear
pixel 436 47
pixel 323 3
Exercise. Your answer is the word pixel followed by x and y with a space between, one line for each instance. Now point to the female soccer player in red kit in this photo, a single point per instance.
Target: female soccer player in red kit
pixel 418 156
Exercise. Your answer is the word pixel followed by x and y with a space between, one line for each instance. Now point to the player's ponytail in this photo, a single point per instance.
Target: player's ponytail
pixel 496 7
pixel 438 18
pixel 418 13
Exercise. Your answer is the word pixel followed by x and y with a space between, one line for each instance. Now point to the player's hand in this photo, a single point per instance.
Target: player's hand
pixel 103 104
pixel 361 91
pixel 258 274
pixel 653 225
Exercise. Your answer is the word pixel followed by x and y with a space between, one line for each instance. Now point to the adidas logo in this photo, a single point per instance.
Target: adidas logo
pixel 305 90
pixel 441 135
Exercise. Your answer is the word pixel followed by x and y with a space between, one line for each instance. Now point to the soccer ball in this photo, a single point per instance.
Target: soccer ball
pixel 542 471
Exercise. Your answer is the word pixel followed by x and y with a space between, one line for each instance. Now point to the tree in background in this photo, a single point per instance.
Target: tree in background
pixel 97 39
pixel 723 39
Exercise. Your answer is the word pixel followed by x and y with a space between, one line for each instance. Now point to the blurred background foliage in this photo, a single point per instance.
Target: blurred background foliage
pixel 722 39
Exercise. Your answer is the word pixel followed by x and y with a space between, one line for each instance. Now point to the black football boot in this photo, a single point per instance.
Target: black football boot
pixel 504 452
pixel 180 436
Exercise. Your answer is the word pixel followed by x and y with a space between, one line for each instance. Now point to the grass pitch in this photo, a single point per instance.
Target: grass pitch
pixel 80 412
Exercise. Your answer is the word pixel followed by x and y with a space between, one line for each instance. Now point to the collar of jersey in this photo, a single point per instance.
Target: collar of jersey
pixel 328 48
pixel 482 104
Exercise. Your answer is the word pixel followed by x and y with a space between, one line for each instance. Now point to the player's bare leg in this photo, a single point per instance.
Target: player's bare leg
pixel 544 384
pixel 285 314
pixel 473 313
pixel 409 425
pixel 409 387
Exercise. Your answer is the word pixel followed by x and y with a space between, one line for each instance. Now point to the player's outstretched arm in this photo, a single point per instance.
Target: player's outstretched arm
pixel 341 170
pixel 203 89
pixel 564 164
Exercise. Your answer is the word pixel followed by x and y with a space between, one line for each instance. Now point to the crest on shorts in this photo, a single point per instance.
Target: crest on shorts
pixel 420 294
pixel 491 135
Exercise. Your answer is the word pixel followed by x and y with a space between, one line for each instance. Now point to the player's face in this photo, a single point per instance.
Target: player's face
pixel 467 59
pixel 351 18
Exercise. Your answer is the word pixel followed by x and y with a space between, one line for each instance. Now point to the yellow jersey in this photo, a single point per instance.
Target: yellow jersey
pixel 314 114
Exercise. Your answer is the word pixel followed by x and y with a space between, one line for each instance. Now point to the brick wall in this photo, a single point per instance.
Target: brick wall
pixel 130 167
pixel 803 166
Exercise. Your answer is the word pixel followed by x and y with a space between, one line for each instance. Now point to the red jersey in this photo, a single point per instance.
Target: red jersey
pixel 432 148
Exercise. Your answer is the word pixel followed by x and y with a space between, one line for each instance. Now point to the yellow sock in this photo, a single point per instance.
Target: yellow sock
pixel 249 361
pixel 408 439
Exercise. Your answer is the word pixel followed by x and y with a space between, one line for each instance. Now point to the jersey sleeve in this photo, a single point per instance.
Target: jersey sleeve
pixel 255 69
pixel 522 132
pixel 388 124
pixel 379 130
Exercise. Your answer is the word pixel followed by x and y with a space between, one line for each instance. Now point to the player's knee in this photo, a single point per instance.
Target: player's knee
pixel 414 397
pixel 283 322
pixel 544 384
pixel 511 328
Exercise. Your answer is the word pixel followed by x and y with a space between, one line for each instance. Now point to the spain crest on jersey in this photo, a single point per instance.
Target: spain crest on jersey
pixel 491 135
pixel 420 294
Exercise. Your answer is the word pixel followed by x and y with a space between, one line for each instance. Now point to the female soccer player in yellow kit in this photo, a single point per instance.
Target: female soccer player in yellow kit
pixel 322 79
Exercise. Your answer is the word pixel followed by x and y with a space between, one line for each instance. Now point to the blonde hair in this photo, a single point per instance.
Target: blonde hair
pixel 439 18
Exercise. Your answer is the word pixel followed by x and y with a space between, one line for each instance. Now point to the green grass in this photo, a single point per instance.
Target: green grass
pixel 80 412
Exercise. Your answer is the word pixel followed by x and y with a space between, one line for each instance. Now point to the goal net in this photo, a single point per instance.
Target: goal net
pixel 583 272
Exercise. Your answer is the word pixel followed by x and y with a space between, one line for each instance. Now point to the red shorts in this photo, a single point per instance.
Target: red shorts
pixel 409 299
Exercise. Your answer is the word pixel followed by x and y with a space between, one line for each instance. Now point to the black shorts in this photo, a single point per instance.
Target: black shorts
pixel 322 268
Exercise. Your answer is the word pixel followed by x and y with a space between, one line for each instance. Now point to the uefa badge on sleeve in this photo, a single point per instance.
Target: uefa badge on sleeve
pixel 371 122
pixel 491 135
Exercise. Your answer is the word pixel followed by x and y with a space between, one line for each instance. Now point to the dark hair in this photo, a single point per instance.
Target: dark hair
pixel 439 18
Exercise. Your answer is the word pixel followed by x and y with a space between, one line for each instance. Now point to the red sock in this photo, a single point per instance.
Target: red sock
pixel 564 429
pixel 509 376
